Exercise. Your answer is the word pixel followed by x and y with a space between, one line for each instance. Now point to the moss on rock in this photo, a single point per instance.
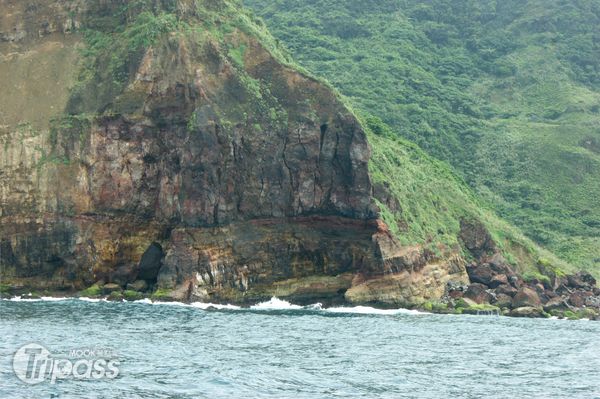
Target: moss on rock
pixel 131 295
pixel 92 291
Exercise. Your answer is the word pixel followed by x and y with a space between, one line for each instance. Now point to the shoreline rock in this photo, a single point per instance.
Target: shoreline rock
pixel 464 306
pixel 572 296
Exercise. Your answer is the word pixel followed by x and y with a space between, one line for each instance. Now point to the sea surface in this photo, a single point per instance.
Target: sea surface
pixel 278 350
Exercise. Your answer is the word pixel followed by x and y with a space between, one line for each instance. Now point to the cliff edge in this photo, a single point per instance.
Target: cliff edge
pixel 167 142
pixel 172 148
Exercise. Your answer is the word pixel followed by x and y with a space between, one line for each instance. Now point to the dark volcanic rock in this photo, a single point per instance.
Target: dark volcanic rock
pixel 455 290
pixel 515 281
pixel 498 280
pixel 456 294
pixel 557 303
pixel 191 141
pixel 138 286
pixel 581 280
pixel 550 294
pixel 500 265
pixel 578 298
pixel 124 274
pixel 506 289
pixel 502 301
pixel 478 293
pixel 482 274
pixel 592 302
pixel 526 297
pixel 476 237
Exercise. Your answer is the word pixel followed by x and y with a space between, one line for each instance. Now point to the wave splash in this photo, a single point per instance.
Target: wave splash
pixel 274 304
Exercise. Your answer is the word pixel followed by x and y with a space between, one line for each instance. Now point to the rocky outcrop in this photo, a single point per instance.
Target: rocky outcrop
pixel 571 296
pixel 494 282
pixel 204 167
pixel 526 297
pixel 413 283
pixel 173 150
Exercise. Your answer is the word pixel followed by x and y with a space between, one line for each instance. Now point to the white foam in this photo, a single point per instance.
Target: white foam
pixel 275 304
pixel 170 303
pixel 314 306
pixel 19 299
pixel 93 300
pixel 145 300
pixel 197 305
pixel 41 299
pixel 55 299
pixel 280 304
pixel 375 311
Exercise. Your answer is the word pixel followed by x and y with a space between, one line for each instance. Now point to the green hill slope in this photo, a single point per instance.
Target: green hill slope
pixel 427 202
pixel 507 92
pixel 188 150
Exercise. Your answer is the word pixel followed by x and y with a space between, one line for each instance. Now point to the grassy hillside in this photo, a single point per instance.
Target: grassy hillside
pixel 432 200
pixel 508 92
pixel 429 199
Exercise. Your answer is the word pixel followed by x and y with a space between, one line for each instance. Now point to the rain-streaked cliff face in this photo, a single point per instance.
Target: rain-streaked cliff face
pixel 172 128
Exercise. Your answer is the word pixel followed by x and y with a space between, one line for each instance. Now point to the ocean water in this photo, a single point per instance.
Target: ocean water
pixel 277 350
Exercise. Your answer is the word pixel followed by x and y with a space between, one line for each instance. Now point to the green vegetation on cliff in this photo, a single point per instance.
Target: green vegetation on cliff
pixel 189 66
pixel 428 200
pixel 114 46
pixel 508 92
pixel 432 199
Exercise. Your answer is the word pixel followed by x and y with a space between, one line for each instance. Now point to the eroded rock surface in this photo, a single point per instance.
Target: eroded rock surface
pixel 214 172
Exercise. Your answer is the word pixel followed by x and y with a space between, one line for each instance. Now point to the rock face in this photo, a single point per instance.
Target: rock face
pixel 478 293
pixel 213 169
pixel 495 282
pixel 526 297
pixel 182 154
pixel 527 311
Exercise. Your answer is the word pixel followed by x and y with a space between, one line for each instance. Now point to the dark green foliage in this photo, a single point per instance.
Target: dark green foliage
pixel 432 201
pixel 507 92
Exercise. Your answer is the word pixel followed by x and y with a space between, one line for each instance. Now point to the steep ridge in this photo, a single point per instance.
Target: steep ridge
pixel 172 146
pixel 507 92
pixel 182 150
